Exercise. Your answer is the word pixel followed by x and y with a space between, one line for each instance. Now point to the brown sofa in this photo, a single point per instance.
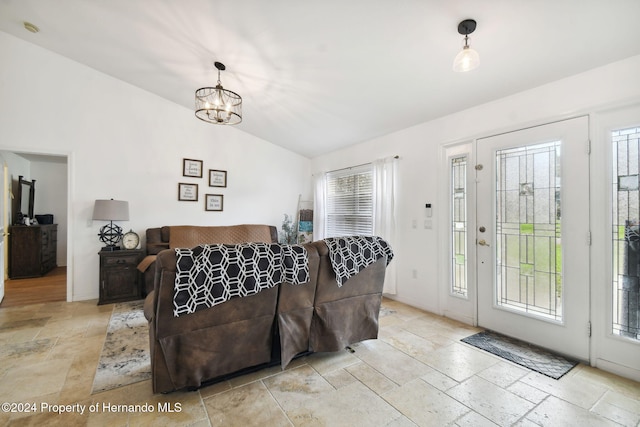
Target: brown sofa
pixel 265 329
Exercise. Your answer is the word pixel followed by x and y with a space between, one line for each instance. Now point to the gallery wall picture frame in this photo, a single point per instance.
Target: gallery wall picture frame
pixel 217 178
pixel 187 192
pixel 192 168
pixel 214 202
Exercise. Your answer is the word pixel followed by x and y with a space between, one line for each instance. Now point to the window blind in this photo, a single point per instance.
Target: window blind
pixel 349 201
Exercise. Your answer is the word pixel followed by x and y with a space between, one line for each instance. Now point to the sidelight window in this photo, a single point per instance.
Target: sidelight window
pixel 459 226
pixel 626 232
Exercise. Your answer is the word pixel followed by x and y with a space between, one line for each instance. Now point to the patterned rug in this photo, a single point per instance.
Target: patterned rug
pixel 125 354
pixel 522 353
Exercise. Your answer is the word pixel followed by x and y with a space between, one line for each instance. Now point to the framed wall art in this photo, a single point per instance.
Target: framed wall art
pixel 187 192
pixel 213 202
pixel 217 178
pixel 192 168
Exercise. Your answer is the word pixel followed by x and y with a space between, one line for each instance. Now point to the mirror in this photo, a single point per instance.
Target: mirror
pixel 26 196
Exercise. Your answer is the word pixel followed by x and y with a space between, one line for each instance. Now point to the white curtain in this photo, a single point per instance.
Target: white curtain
pixel 319 183
pixel 385 212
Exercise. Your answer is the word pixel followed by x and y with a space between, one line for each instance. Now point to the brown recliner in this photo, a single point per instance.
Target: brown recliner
pixel 193 348
pixel 348 314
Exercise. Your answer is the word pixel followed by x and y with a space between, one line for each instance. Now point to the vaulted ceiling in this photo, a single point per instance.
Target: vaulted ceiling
pixel 316 76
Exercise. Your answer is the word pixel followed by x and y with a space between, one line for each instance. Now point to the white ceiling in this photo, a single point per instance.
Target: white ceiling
pixel 316 76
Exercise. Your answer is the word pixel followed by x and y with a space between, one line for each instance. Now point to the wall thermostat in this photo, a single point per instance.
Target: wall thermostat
pixel 428 206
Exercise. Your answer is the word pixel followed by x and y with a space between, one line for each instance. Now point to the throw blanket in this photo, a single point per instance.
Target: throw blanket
pixel 351 254
pixel 208 275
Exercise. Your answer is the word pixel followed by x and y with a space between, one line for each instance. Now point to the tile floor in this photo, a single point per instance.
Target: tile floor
pixel 416 373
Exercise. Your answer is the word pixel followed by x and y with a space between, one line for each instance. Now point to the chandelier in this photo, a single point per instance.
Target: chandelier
pixel 218 105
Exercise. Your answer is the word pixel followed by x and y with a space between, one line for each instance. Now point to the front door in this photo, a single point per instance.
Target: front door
pixel 533 236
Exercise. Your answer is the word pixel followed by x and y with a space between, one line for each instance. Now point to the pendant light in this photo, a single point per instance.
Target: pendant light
pixel 467 59
pixel 218 105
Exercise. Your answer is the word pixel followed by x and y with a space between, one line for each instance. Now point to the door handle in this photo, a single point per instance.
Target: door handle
pixel 483 242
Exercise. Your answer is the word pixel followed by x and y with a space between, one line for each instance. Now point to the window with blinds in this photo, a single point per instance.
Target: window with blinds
pixel 349 199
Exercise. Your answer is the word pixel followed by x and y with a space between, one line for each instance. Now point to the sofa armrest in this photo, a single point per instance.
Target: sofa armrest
pixel 295 311
pixel 157 240
pixel 149 303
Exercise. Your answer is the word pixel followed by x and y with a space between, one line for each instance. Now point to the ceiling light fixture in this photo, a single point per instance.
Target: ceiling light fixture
pixel 218 105
pixel 467 59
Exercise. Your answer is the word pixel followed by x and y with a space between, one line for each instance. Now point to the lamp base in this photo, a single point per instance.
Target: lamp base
pixel 111 234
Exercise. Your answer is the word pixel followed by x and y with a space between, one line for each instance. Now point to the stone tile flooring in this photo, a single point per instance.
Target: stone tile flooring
pixel 416 373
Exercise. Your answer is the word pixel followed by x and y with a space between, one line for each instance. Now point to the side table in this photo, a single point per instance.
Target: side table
pixel 119 277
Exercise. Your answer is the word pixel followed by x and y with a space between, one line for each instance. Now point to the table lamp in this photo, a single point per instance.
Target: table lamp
pixel 111 210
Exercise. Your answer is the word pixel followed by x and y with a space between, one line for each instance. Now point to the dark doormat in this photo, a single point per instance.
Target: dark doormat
pixel 522 353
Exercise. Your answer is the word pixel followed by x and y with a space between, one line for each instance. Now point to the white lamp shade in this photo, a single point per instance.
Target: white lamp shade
pixel 111 210
pixel 466 60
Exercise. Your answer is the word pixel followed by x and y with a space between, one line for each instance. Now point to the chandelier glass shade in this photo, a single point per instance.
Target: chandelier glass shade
pixel 467 59
pixel 218 105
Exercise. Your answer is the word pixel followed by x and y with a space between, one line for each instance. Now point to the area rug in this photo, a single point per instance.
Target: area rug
pixel 125 354
pixel 522 353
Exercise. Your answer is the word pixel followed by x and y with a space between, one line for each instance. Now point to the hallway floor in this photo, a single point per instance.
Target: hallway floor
pixel 51 287
pixel 417 373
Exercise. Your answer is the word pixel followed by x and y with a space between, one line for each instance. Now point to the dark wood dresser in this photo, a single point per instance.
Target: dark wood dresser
pixel 32 250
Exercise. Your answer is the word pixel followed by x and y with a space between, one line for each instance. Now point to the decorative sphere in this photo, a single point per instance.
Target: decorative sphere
pixel 110 234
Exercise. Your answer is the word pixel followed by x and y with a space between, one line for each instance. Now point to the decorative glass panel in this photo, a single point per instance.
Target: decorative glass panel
pixel 459 226
pixel 626 232
pixel 528 230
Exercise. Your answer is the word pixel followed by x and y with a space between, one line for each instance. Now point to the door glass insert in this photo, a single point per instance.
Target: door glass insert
pixel 459 226
pixel 528 230
pixel 626 232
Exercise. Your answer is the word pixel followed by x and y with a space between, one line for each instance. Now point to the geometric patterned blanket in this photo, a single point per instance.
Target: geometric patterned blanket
pixel 351 254
pixel 208 275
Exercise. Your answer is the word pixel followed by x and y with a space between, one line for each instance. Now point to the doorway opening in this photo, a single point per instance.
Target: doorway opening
pixel 50 172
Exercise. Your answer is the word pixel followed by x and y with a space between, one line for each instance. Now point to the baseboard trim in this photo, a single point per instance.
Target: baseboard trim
pixel 468 320
pixel 615 368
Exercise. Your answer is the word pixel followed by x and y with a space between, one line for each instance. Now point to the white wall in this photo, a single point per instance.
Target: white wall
pixel 125 143
pixel 419 150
